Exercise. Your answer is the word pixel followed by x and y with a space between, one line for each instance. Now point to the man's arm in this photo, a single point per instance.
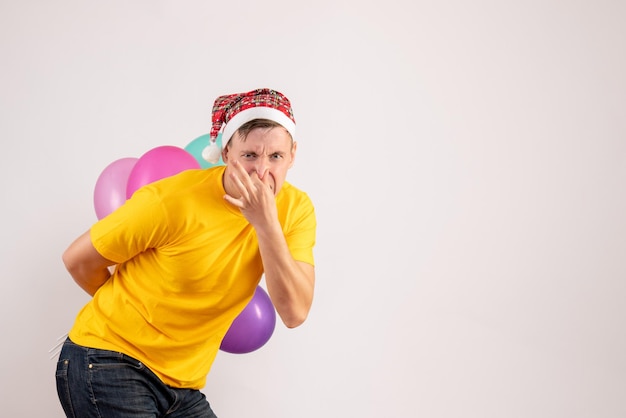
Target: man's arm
pixel 290 283
pixel 86 266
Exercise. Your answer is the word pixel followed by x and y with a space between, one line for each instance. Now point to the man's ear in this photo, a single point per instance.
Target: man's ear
pixel 294 148
pixel 225 154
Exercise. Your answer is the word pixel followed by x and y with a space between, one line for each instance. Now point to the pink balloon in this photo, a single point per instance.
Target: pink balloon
pixel 110 190
pixel 253 327
pixel 158 163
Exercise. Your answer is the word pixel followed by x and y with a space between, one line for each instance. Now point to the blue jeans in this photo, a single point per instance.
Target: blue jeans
pixel 107 384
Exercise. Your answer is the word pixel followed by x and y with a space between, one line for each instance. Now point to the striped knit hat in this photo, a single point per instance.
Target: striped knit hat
pixel 232 111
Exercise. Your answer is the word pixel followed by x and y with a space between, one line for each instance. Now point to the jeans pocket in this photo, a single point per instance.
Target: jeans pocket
pixel 63 387
pixel 119 383
pixel 104 359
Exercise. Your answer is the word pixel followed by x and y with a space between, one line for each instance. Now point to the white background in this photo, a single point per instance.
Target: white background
pixel 467 161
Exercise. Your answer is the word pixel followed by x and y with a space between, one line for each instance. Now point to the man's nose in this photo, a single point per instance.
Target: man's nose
pixel 260 166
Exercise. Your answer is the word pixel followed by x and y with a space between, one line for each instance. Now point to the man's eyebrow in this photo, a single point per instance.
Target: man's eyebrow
pixel 281 152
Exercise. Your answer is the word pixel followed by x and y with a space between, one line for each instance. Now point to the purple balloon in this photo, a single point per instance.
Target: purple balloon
pixel 158 163
pixel 110 190
pixel 253 327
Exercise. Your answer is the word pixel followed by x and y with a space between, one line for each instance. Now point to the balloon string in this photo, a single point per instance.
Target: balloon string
pixel 56 348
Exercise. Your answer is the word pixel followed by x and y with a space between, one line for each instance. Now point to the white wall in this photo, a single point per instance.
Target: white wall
pixel 467 161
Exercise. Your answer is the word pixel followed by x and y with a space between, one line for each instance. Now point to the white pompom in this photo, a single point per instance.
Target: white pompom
pixel 212 153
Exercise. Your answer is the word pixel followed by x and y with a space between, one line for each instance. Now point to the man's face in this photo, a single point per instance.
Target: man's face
pixel 266 151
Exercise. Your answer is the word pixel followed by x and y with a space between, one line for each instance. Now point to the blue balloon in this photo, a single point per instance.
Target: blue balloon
pixel 196 146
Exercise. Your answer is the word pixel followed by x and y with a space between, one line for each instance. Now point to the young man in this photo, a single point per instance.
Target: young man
pixel 189 251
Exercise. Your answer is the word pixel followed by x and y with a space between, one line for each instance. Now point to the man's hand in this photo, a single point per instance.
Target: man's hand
pixel 256 201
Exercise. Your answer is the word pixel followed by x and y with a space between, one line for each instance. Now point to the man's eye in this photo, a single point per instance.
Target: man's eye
pixel 276 156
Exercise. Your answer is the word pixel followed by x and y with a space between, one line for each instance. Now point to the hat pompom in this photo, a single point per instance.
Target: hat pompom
pixel 212 153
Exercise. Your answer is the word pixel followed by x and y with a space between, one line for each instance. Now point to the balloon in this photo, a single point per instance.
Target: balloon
pixel 158 163
pixel 110 190
pixel 196 146
pixel 253 327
